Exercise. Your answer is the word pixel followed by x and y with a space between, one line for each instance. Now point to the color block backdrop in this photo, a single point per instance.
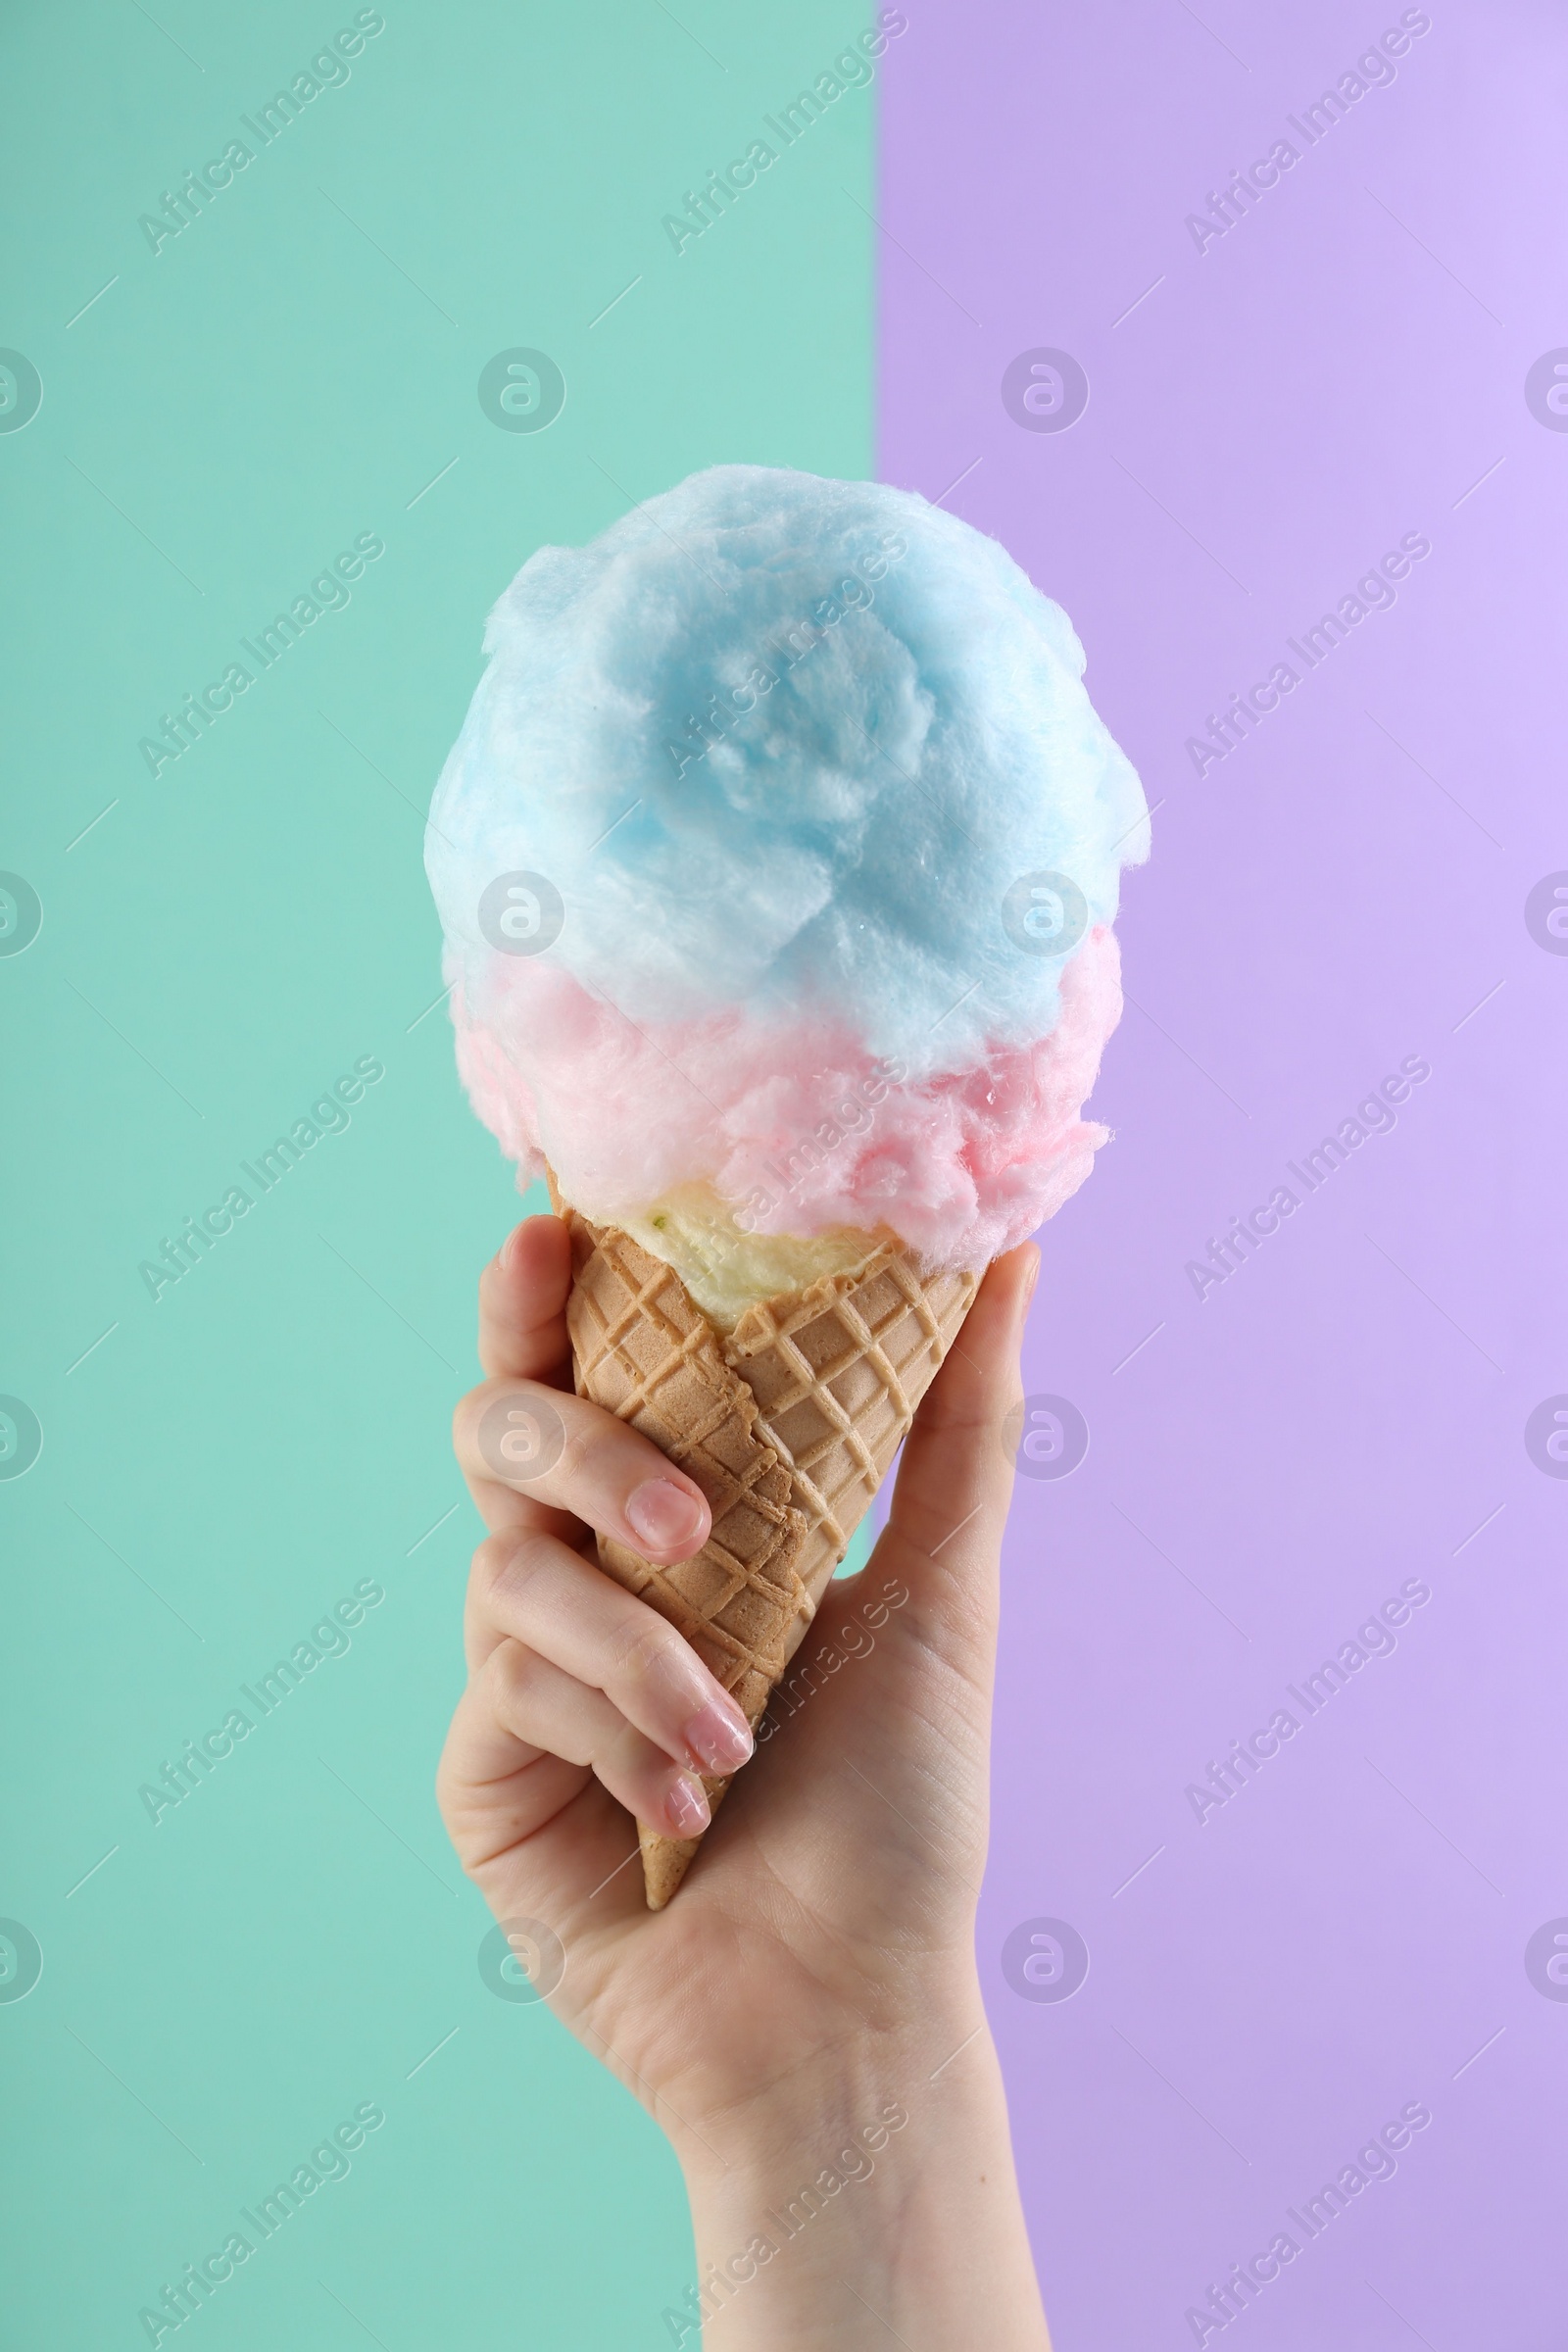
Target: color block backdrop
pixel 1357 354
pixel 292 375
pixel 1277 1863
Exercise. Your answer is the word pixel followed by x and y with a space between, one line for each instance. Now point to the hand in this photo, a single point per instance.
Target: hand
pixel 816 1966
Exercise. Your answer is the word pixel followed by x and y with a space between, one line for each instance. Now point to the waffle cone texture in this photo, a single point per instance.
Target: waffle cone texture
pixel 787 1424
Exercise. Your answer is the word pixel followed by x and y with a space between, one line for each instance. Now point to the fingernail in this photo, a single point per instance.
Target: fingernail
pixel 686 1807
pixel 507 1250
pixel 663 1514
pixel 1030 1279
pixel 719 1737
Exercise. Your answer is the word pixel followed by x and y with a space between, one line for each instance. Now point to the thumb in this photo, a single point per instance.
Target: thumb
pixel 950 1504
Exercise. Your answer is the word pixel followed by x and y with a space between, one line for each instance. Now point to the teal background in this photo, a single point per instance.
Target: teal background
pixel 222 1988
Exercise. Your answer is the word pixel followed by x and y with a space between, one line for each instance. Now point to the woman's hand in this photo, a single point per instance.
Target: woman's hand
pixel 815 1975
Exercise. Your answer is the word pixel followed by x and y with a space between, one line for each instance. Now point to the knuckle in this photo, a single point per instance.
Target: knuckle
pixel 587 1429
pixel 620 1753
pixel 580 1445
pixel 643 1648
pixel 467 1413
pixel 505 1565
pixel 510 1669
pixel 488 1561
pixel 487 1557
pixel 517 1430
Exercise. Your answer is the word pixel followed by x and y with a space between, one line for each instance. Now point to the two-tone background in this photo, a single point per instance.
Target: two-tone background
pixel 1290 377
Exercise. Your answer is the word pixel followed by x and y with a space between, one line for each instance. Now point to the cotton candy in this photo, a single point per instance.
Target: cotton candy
pixel 779 852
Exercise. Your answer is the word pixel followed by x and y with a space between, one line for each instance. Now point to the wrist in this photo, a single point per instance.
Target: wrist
pixel 878 2177
pixel 835 2092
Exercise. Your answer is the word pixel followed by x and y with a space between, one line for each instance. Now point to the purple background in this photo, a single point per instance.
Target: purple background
pixel 1345 889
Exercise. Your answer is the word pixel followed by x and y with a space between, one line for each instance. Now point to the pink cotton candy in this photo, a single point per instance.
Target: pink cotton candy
pixel 797 1128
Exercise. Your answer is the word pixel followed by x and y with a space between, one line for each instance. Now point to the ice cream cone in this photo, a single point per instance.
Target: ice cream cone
pixel 788 1423
pixel 700 974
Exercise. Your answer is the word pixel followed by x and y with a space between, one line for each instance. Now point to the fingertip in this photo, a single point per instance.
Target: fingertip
pixel 1024 1269
pixel 668 1517
pixel 1010 1279
pixel 523 1292
pixel 988 1346
pixel 535 1259
pixel 685 1807
pixel 538 1239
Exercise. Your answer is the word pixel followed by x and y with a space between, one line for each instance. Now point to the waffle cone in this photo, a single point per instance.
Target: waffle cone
pixel 788 1423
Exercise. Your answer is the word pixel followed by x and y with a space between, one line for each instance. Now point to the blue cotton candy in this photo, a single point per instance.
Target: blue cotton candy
pixel 784 745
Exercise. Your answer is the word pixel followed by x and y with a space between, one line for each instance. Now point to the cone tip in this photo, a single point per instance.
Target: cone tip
pixel 665 1862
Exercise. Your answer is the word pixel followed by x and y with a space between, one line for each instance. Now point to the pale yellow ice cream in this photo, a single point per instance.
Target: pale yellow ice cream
pixel 728 1270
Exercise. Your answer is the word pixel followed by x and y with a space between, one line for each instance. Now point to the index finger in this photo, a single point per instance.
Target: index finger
pixel 545 1447
pixel 522 1303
